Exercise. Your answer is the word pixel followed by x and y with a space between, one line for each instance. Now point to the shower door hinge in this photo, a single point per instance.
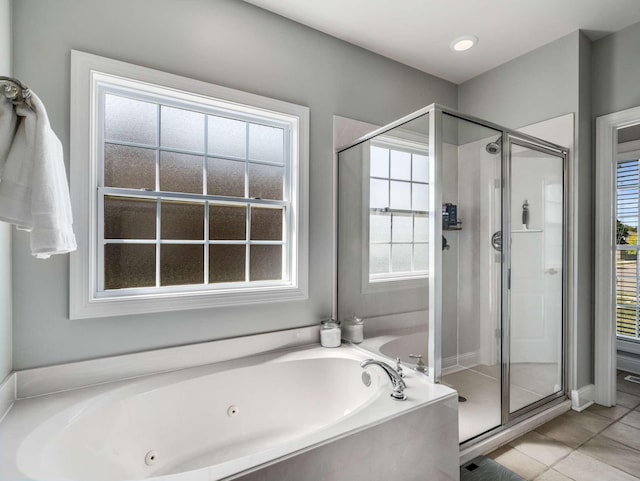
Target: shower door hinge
pixel 498 333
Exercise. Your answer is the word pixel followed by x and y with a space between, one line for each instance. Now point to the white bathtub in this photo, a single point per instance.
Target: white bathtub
pixel 205 423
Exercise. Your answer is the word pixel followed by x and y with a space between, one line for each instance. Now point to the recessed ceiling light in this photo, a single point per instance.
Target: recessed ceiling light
pixel 463 43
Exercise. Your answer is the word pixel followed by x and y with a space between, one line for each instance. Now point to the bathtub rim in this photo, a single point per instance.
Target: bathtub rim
pixel 45 380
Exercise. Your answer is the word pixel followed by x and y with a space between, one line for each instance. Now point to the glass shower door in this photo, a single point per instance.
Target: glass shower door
pixel 536 270
pixel 471 278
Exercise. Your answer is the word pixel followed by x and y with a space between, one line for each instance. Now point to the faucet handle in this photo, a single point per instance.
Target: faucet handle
pixel 420 365
pixel 398 367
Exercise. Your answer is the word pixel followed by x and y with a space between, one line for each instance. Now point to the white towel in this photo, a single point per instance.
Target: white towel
pixel 8 125
pixel 34 194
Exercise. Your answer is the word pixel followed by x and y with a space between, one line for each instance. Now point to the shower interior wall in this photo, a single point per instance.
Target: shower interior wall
pixel 471 314
pixel 469 311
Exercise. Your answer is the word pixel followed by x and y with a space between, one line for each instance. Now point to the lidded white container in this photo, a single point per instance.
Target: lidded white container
pixel 330 333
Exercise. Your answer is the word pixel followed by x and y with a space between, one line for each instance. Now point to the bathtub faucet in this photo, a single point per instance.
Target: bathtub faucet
pixel 396 381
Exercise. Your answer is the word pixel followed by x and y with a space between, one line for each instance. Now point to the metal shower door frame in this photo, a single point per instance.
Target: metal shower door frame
pixel 509 139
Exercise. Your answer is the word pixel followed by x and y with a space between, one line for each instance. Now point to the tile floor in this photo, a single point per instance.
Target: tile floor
pixel 598 444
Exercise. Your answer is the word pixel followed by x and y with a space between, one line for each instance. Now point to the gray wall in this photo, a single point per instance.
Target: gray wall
pixel 536 86
pixel 585 231
pixel 615 72
pixel 5 232
pixel 229 43
pixel 548 82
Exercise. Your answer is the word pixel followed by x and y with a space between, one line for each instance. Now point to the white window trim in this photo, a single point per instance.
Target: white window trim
pixel 605 330
pixel 86 72
pixel 384 282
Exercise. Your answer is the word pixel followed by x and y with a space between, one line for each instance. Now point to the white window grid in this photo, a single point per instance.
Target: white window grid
pixel 414 272
pixel 627 276
pixel 206 199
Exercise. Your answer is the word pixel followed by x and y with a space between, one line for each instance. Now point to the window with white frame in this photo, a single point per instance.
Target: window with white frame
pixel 626 259
pixel 198 197
pixel 399 201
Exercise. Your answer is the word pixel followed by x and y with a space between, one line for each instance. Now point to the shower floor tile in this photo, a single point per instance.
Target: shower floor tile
pixel 480 386
pixel 481 410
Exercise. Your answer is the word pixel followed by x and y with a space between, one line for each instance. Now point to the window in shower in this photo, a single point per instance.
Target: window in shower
pixel 398 205
pixel 196 197
pixel 627 216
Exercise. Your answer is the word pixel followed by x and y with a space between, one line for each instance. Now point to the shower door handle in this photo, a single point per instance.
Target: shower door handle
pixel 496 240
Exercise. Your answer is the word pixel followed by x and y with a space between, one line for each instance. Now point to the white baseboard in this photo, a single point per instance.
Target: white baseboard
pixel 582 398
pixel 453 364
pixel 7 394
pixel 628 363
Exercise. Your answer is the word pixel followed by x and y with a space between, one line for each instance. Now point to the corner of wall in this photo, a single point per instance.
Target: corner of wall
pixel 586 200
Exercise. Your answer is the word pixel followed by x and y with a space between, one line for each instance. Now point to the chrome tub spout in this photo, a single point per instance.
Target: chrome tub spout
pixel 396 381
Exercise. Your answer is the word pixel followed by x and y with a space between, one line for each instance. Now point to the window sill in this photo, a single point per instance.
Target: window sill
pixel 628 345
pixel 395 284
pixel 152 303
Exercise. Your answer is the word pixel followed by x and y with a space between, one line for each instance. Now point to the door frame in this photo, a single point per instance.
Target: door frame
pixel 605 333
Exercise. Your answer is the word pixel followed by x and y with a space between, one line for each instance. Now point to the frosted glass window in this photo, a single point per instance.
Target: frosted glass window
pixel 420 197
pixel 129 266
pixel 195 191
pixel 266 224
pixel 420 168
pixel 379 258
pixel 401 257
pixel 265 263
pixel 129 120
pixel 266 143
pixel 420 257
pixel 402 228
pixel 181 172
pixel 182 221
pixel 379 162
pixel 225 177
pixel 227 222
pixel 380 228
pixel 400 165
pixel 379 194
pixel 181 264
pixel 129 218
pixel 227 137
pixel 400 196
pixel 266 181
pixel 421 229
pixel 129 167
pixel 227 263
pixel 181 129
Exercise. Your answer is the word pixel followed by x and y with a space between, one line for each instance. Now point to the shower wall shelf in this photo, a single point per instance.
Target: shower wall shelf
pixel 389 210
pixel 526 231
pixel 458 226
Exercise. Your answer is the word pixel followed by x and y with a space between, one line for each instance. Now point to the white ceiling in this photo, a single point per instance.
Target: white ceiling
pixel 418 32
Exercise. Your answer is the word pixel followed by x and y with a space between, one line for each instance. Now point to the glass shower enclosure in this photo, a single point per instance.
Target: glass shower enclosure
pixel 452 248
